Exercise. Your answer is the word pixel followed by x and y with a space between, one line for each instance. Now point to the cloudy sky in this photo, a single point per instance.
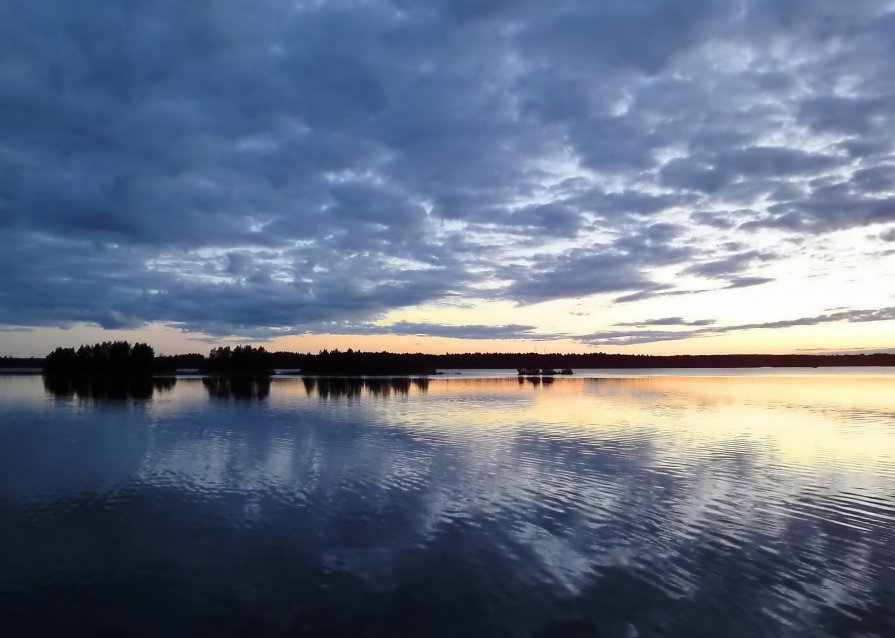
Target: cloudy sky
pixel 623 175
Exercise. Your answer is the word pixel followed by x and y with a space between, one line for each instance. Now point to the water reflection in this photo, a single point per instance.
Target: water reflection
pixel 251 388
pixel 106 388
pixel 337 387
pixel 585 507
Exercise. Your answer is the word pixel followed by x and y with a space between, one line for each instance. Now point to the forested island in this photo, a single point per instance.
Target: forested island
pixel 121 358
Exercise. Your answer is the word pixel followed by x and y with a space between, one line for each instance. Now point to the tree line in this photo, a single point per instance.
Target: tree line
pixel 120 357
pixel 109 357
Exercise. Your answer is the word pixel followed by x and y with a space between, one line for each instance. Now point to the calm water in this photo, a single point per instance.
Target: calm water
pixel 742 505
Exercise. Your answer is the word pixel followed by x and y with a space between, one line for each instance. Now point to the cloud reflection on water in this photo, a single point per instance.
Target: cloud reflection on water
pixel 671 505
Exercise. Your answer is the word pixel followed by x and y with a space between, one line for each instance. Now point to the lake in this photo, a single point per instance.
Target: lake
pixel 634 504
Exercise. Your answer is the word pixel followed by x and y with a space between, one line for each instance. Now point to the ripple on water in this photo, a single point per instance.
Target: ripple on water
pixel 649 507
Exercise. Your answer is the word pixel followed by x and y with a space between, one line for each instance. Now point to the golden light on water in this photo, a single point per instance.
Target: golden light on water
pixel 803 420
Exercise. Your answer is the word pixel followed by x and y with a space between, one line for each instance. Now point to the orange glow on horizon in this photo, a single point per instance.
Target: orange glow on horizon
pixel 817 339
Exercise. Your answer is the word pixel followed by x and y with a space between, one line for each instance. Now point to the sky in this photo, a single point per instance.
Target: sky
pixel 696 176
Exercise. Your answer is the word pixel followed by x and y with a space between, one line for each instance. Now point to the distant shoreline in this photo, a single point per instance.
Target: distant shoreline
pixel 450 373
pixel 248 360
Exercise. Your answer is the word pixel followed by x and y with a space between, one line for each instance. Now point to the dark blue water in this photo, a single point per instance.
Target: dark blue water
pixel 642 506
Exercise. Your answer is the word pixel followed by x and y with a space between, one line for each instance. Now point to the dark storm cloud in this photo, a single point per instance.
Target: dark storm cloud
pixel 251 168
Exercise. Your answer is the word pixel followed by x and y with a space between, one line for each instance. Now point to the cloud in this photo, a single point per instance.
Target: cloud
pixel 575 273
pixel 621 265
pixel 668 321
pixel 715 220
pixel 633 337
pixel 875 179
pixel 731 264
pixel 633 201
pixel 851 316
pixel 510 331
pixel 833 113
pixel 249 169
pixel 748 282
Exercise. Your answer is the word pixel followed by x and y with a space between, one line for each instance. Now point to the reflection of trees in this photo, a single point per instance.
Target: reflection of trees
pixel 385 387
pixel 106 387
pixel 535 381
pixel 335 387
pixel 238 387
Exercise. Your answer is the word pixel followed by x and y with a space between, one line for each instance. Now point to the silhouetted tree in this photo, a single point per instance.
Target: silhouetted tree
pixel 239 360
pixel 109 357
pixel 120 357
pixel 21 362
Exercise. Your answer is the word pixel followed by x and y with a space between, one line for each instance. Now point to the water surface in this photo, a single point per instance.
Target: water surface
pixel 694 504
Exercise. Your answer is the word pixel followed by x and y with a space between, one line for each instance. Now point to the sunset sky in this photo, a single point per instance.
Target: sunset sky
pixel 693 176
